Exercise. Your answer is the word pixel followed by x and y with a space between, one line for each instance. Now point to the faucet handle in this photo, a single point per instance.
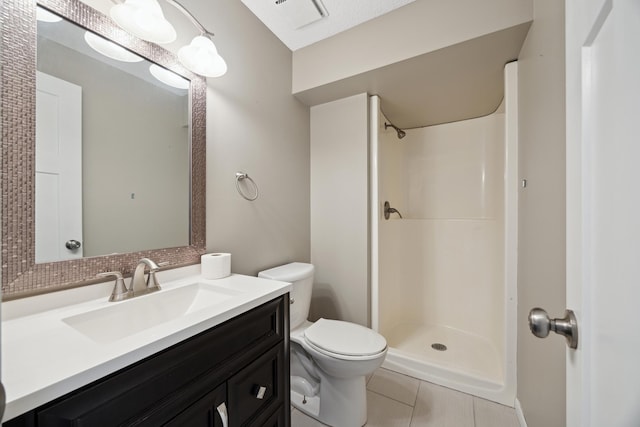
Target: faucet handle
pixel 152 281
pixel 120 291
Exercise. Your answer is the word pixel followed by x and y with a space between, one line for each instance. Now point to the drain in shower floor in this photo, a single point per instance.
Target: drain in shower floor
pixel 438 346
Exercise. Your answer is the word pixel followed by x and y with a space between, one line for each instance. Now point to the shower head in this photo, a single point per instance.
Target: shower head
pixel 401 133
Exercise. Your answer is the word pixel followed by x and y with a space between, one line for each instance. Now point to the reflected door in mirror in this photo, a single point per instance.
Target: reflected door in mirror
pixel 58 169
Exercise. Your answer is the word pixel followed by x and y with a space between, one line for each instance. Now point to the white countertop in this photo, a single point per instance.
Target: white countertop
pixel 44 358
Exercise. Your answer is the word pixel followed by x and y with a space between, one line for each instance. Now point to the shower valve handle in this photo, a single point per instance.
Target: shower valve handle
pixel 540 325
pixel 388 210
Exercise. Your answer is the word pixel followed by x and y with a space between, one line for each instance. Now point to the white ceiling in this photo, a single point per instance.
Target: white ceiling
pixel 341 15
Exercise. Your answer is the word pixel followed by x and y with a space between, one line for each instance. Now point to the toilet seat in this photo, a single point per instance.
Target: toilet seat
pixel 344 340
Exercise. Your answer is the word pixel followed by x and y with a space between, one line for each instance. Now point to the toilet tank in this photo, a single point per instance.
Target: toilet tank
pixel 300 275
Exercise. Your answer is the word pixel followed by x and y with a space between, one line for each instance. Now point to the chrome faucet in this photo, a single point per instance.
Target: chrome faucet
pixel 138 284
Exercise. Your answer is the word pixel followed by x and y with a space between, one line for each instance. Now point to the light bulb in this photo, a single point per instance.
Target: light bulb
pixel 109 48
pixel 168 77
pixel 43 15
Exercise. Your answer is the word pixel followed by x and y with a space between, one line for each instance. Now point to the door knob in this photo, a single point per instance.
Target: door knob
pixel 540 325
pixel 72 245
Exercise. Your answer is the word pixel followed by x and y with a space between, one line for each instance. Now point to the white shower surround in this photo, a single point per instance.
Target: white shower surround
pixel 447 271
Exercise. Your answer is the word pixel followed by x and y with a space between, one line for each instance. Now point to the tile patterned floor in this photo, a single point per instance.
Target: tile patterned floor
pixel 396 400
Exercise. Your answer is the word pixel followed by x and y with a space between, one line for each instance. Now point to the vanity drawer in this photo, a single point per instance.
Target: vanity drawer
pixel 257 390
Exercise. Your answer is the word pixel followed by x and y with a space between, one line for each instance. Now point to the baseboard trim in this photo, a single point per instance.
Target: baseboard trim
pixel 519 414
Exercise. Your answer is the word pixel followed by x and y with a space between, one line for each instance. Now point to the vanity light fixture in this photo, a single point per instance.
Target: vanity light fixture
pixel 110 49
pixel 144 19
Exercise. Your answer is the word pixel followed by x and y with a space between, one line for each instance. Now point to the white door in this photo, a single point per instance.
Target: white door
pixel 58 219
pixel 603 211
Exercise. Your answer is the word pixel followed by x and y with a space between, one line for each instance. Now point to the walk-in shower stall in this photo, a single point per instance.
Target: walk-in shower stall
pixel 443 265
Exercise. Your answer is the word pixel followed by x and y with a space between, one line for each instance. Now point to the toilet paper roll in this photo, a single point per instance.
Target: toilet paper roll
pixel 216 265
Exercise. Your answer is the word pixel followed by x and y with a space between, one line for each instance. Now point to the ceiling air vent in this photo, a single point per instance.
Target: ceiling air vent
pixel 301 12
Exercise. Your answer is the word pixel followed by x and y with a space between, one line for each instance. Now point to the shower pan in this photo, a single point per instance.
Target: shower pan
pixel 443 276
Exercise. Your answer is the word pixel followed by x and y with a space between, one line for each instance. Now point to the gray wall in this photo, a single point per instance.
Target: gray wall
pixel 340 209
pixel 254 125
pixel 541 257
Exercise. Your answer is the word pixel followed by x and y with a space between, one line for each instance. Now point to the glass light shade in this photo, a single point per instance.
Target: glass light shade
pixel 144 19
pixel 201 57
pixel 44 15
pixel 168 77
pixel 110 49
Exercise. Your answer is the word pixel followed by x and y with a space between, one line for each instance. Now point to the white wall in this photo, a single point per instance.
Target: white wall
pixel 339 209
pixel 541 261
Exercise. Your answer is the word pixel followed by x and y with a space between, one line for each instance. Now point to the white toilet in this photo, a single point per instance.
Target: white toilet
pixel 329 358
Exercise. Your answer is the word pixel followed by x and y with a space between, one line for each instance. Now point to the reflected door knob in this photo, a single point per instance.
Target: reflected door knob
pixel 540 325
pixel 72 245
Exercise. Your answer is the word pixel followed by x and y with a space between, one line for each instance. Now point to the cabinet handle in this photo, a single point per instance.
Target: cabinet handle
pixel 260 391
pixel 222 411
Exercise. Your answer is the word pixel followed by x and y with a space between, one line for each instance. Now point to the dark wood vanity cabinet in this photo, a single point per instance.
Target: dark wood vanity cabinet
pixel 242 364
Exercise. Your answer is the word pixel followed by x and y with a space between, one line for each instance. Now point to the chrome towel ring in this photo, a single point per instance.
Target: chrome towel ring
pixel 240 176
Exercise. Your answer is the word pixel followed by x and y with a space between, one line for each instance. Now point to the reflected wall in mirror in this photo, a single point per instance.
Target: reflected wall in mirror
pixel 21 274
pixel 118 170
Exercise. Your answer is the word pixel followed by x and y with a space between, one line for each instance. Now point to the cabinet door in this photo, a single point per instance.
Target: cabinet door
pixel 208 411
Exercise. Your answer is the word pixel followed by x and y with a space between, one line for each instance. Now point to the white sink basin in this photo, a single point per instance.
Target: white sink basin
pixel 131 316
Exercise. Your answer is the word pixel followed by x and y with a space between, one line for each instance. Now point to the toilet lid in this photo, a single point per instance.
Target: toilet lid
pixel 345 338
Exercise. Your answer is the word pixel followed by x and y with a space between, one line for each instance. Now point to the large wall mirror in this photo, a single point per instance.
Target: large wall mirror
pixel 103 150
